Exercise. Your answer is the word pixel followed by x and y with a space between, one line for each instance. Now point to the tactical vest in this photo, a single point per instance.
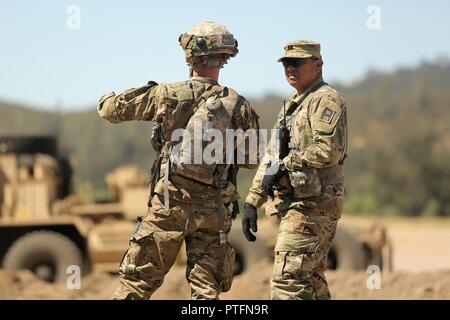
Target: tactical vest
pixel 212 111
pixel 308 182
pixel 209 114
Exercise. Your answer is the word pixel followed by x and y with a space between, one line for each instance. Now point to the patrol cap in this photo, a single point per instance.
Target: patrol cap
pixel 301 49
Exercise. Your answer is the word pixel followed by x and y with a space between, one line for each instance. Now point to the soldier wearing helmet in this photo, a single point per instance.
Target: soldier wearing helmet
pixel 208 45
pixel 188 201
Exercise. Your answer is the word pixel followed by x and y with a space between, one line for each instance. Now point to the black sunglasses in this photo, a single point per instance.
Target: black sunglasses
pixel 295 62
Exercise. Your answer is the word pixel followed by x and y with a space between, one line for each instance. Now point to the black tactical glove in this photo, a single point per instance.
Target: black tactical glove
pixel 273 175
pixel 249 221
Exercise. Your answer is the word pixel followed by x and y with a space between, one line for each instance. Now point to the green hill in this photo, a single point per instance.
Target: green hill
pixel 399 146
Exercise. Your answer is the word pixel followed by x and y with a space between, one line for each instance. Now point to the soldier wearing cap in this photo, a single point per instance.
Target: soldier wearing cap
pixel 304 186
pixel 188 199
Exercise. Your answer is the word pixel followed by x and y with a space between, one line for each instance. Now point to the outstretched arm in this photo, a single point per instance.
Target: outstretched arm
pixel 133 104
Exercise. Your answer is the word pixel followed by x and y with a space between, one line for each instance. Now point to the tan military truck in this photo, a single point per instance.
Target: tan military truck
pixel 45 228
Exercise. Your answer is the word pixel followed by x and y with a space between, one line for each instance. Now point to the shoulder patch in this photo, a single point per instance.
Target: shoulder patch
pixel 327 115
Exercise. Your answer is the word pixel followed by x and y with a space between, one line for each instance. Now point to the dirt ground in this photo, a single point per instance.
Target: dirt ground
pixel 421 271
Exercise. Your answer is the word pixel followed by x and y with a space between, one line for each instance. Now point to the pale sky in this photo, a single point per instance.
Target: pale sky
pixel 123 44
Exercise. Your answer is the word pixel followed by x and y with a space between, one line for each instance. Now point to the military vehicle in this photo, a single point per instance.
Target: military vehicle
pixel 46 228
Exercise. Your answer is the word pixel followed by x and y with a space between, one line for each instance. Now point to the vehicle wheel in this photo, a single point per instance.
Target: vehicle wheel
pixel 45 253
pixel 28 144
pixel 347 251
pixel 247 253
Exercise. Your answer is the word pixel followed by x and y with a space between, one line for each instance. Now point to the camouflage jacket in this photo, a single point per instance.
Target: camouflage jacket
pixel 164 104
pixel 318 145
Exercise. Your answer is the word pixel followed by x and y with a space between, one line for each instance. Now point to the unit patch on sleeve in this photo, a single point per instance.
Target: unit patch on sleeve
pixel 327 115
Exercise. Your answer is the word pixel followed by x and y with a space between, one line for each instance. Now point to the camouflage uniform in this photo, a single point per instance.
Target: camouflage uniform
pixel 188 202
pixel 309 200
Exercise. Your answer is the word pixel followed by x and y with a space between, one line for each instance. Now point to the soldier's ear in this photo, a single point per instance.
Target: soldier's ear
pixel 319 64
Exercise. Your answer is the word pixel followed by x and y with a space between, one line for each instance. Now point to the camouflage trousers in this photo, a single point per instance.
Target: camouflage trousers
pixel 304 239
pixel 155 244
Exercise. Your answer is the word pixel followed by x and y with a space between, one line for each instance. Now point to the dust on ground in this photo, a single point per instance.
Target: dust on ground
pixel 254 285
pixel 421 264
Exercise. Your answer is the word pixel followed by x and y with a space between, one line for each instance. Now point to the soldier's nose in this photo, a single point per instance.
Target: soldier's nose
pixel 290 68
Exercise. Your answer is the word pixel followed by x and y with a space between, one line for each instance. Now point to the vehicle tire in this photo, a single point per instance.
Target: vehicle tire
pixel 47 254
pixel 28 144
pixel 348 251
pixel 247 253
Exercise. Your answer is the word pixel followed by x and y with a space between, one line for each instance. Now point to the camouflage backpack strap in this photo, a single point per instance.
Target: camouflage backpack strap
pixel 220 207
pixel 189 111
pixel 181 123
pixel 212 90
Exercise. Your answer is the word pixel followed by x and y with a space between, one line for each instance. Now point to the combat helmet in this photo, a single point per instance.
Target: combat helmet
pixel 209 44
